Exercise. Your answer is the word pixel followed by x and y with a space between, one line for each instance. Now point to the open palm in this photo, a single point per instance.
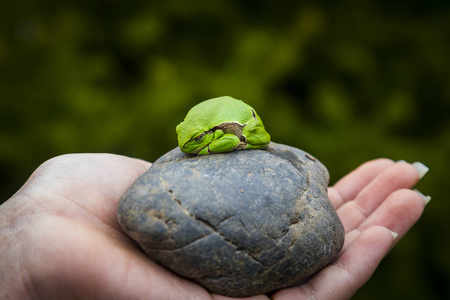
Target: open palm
pixel 60 239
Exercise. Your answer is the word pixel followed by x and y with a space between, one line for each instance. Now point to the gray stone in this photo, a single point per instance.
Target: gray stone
pixel 240 223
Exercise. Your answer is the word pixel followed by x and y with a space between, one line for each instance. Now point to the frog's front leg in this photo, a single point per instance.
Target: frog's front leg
pixel 223 142
pixel 256 135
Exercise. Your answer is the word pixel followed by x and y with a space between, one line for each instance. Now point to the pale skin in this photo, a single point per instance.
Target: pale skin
pixel 60 239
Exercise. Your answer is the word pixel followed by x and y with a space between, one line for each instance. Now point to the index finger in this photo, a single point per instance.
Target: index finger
pixel 351 184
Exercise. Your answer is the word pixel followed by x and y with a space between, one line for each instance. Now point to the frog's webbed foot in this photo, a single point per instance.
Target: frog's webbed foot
pixel 256 135
pixel 227 142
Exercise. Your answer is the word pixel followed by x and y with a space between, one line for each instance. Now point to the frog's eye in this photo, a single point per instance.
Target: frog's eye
pixel 197 140
pixel 200 138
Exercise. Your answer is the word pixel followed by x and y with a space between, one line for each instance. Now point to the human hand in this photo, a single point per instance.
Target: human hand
pixel 60 239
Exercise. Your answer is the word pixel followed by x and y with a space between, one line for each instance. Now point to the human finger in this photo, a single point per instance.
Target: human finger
pixel 399 212
pixel 345 276
pixel 257 297
pixel 350 185
pixel 398 176
pixel 84 185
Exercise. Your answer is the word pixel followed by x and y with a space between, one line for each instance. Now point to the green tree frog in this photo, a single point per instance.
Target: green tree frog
pixel 219 125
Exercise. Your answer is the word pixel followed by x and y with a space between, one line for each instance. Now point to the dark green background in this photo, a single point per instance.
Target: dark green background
pixel 347 81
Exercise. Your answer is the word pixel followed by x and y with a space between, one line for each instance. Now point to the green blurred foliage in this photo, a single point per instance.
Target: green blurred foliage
pixel 347 81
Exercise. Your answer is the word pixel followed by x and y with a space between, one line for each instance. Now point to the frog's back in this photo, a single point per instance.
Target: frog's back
pixel 219 110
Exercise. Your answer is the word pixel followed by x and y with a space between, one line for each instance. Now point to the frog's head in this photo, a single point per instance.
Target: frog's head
pixel 192 143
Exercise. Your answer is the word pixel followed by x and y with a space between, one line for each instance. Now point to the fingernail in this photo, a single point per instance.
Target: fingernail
pixel 426 199
pixel 401 161
pixel 394 235
pixel 421 169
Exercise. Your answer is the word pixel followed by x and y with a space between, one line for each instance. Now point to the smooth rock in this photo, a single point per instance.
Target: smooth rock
pixel 241 223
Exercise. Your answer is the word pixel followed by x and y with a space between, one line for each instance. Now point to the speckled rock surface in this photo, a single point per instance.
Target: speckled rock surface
pixel 240 223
